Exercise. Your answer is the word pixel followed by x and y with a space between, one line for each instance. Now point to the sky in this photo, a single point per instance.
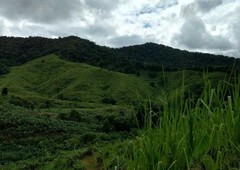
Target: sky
pixel 211 26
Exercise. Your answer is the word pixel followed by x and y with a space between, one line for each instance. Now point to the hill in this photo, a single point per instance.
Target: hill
pixel 68 104
pixel 61 82
pixel 59 109
pixel 149 56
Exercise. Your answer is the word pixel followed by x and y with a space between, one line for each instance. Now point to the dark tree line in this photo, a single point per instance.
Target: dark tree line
pixel 149 56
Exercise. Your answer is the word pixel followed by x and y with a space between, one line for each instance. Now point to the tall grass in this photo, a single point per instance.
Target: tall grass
pixel 193 134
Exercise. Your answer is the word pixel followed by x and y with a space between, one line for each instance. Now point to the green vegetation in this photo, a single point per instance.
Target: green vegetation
pixel 59 114
pixel 149 56
pixel 55 111
pixel 35 140
pixel 50 81
pixel 4 91
pixel 193 135
pixel 3 69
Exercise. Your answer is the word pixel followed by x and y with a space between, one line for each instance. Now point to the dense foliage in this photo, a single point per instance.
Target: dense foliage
pixel 3 69
pixel 202 134
pixel 130 59
pixel 31 139
pixel 56 114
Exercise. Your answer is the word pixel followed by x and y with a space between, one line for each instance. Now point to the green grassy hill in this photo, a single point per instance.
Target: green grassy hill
pixel 61 83
pixel 75 116
pixel 50 82
pixel 64 108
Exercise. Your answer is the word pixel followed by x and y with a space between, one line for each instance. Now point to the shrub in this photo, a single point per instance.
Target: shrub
pixel 5 91
pixel 106 126
pixel 108 100
pixel 152 84
pixel 89 138
pixel 47 104
pixel 152 74
pixel 122 124
pixel 74 116
pixel 17 101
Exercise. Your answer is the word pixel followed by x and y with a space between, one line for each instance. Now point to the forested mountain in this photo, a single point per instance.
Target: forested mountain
pixel 150 56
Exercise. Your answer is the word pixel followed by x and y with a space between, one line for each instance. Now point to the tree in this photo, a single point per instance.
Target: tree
pixel 5 91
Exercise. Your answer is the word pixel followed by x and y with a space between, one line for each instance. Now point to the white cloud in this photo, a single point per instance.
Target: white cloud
pixel 200 25
pixel 194 35
pixel 206 27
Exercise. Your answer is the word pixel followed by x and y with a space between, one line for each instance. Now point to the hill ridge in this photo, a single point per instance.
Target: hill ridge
pixel 131 59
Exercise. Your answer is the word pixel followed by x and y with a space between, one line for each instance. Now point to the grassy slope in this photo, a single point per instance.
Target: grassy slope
pixel 45 79
pixel 50 78
pixel 72 85
pixel 67 84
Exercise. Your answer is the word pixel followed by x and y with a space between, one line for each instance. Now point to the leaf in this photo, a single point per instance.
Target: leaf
pixel 209 163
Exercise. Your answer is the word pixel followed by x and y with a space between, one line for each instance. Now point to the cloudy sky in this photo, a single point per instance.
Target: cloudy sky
pixel 196 25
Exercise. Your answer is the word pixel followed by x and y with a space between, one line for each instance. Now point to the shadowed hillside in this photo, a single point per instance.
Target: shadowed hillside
pixel 149 56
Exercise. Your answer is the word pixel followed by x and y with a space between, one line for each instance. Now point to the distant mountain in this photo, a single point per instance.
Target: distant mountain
pixel 149 56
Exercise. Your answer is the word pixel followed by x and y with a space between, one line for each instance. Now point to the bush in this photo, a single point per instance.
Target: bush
pixel 17 101
pixel 5 91
pixel 106 126
pixel 108 100
pixel 152 84
pixel 74 116
pixel 47 104
pixel 152 75
pixel 122 124
pixel 89 138
pixel 119 123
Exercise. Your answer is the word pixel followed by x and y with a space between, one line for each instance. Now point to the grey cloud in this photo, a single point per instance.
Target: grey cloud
pixel 1 27
pixel 236 32
pixel 194 35
pixel 207 5
pixel 104 5
pixel 126 40
pixel 42 11
pixel 236 27
pixel 99 30
pixel 236 37
pixel 199 6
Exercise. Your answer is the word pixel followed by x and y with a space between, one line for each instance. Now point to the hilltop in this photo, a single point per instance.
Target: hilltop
pixel 149 56
pixel 59 82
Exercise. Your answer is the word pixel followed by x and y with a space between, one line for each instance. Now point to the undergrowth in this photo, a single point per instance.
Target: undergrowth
pixel 202 133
